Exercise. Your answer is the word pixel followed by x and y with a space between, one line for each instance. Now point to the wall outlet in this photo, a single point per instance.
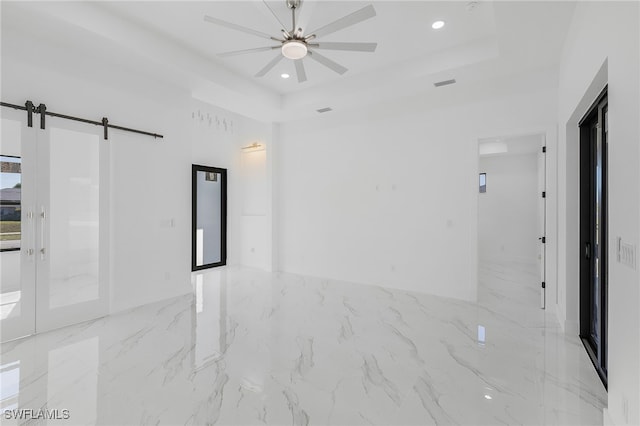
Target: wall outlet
pixel 168 223
pixel 626 254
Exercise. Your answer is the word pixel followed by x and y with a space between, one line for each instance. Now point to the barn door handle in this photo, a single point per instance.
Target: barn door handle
pixel 43 218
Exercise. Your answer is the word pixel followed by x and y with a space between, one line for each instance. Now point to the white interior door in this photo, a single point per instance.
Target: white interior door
pixel 17 232
pixel 542 204
pixel 54 258
pixel 72 227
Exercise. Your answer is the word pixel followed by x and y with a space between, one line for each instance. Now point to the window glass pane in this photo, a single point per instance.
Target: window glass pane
pixel 10 202
pixel 483 182
pixel 12 281
pixel 209 219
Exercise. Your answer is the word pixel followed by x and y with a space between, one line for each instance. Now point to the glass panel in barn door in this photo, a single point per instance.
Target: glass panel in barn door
pixel 73 207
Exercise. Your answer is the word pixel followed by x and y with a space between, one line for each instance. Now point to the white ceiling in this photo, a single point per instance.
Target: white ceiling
pixel 170 40
pixel 402 30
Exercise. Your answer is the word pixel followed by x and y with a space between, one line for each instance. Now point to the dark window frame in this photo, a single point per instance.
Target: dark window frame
pixel 597 353
pixel 195 168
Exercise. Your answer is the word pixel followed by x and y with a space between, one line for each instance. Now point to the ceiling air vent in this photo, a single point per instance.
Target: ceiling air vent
pixel 445 82
pixel 472 5
pixel 323 110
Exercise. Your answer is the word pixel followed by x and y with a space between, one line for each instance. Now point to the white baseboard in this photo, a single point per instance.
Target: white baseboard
pixel 559 315
pixel 568 326
pixel 571 327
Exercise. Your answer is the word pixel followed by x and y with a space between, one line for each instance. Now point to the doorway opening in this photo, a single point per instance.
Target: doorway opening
pixel 593 233
pixel 512 217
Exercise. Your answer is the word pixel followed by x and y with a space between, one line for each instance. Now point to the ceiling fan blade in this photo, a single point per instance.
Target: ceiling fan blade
pixel 355 47
pixel 270 66
pixel 274 14
pixel 328 63
pixel 300 71
pixel 242 52
pixel 347 21
pixel 236 27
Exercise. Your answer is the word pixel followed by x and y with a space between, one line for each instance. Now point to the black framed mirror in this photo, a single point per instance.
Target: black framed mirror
pixel 209 217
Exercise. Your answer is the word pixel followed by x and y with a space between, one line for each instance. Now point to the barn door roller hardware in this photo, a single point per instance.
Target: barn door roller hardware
pixel 30 108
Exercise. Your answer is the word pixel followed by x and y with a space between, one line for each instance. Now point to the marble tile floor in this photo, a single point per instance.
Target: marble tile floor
pixel 250 348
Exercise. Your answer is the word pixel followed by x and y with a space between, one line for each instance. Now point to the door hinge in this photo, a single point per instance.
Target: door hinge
pixel 544 240
pixel 544 194
pixel 544 285
pixel 544 149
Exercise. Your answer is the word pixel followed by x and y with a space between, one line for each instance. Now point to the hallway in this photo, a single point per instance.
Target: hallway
pixel 257 348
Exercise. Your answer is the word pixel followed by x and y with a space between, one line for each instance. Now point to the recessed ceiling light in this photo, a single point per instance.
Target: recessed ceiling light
pixel 488 397
pixel 437 25
pixel 285 75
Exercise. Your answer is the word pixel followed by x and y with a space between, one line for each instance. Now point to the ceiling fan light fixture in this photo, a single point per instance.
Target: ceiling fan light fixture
pixel 294 49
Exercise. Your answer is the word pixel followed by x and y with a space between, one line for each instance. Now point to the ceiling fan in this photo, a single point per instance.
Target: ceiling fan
pixel 295 45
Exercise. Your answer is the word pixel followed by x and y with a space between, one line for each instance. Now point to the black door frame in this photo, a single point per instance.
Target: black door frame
pixel 195 168
pixel 592 126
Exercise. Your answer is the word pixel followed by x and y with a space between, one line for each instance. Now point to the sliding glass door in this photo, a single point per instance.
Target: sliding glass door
pixel 59 273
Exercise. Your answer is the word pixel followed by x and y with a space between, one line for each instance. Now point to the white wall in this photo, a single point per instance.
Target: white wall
pixel 219 144
pixel 388 195
pixel 508 211
pixel 150 178
pixel 149 260
pixel 603 47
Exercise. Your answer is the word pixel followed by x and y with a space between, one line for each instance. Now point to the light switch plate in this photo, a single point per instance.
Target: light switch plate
pixel 626 254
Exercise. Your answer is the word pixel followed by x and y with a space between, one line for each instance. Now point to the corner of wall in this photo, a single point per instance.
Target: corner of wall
pixel 559 312
pixel 606 418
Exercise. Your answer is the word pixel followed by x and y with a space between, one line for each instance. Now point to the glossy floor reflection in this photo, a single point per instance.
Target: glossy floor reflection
pixel 257 348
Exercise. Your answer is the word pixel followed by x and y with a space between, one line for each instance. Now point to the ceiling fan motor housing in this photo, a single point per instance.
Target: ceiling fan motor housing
pixel 293 4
